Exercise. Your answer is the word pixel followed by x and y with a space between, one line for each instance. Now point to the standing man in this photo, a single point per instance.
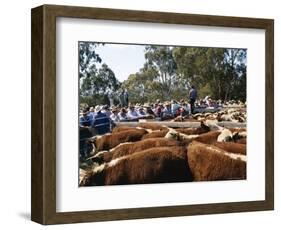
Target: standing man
pixel 121 97
pixel 110 96
pixel 192 98
pixel 126 97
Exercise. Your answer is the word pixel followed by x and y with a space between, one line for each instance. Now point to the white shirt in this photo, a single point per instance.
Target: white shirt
pixel 133 114
pixel 114 117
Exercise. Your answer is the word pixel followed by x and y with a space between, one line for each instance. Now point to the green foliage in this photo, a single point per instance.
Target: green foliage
pixel 214 71
pixel 160 61
pixel 205 90
pixel 95 83
pixel 94 99
pixel 87 58
pixel 168 73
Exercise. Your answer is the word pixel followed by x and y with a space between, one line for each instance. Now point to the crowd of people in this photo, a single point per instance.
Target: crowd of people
pixel 102 118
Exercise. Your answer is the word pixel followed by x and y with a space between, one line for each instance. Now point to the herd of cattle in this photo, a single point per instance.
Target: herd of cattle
pixel 231 115
pixel 152 153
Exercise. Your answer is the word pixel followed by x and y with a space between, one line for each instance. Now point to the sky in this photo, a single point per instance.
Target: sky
pixel 122 59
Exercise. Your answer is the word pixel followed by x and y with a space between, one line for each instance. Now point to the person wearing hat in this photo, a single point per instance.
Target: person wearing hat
pixel 167 112
pixel 101 122
pixel 114 115
pixel 158 109
pixel 141 112
pixel 123 115
pixel 132 114
pixel 85 120
pixel 106 110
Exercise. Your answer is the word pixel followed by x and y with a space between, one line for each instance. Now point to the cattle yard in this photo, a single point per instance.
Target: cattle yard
pixel 204 147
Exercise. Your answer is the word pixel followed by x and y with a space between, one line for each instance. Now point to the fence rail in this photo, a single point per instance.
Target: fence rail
pixel 195 124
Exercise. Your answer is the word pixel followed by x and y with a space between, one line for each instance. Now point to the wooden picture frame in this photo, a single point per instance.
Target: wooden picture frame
pixel 43 208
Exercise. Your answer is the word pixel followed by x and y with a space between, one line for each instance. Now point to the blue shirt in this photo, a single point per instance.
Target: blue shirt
pixel 101 123
pixel 193 94
pixel 86 120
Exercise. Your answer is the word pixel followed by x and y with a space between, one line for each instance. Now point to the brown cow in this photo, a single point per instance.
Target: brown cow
pixel 151 126
pixel 191 131
pixel 232 147
pixel 241 140
pixel 155 134
pixel 125 149
pixel 208 138
pixel 110 141
pixel 122 128
pixel 237 130
pixel 154 165
pixel 208 163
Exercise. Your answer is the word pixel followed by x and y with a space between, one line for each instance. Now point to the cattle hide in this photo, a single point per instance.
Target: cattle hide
pixel 108 142
pixel 130 148
pixel 208 138
pixel 191 131
pixel 122 128
pixel 208 163
pixel 152 126
pixel 241 140
pixel 232 147
pixel 154 165
pixel 155 134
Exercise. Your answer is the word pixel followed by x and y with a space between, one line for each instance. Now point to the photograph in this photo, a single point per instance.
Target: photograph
pixel 175 108
pixel 161 114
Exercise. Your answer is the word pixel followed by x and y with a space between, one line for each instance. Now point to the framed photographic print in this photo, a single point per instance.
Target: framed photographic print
pixel 140 114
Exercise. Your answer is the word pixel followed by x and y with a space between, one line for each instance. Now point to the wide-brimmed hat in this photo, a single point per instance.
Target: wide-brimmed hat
pixel 84 112
pixel 98 108
pixel 105 107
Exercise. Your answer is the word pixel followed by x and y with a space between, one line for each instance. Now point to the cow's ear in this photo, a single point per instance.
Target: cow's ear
pixel 203 123
pixel 235 135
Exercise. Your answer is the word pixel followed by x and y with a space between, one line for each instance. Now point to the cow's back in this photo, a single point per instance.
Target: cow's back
pixel 110 141
pixel 154 165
